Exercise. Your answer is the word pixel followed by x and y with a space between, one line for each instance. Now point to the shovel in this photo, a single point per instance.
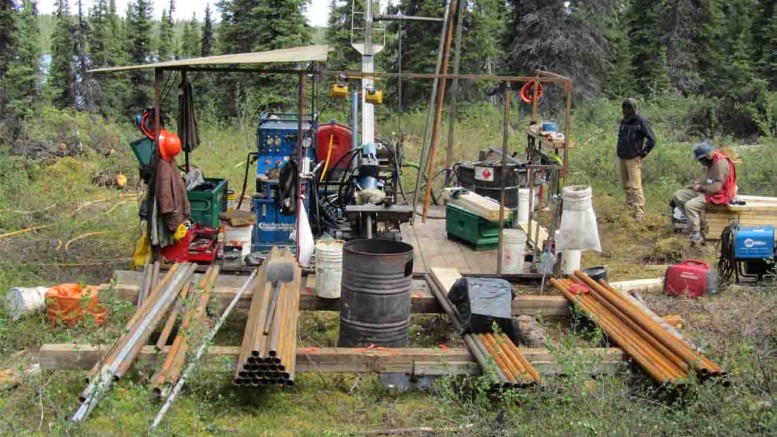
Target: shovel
pixel 277 271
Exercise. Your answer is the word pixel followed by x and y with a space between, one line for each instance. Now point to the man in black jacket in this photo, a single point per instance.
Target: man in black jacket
pixel 635 140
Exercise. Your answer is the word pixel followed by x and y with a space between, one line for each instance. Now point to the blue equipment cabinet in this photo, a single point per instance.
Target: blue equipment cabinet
pixel 276 141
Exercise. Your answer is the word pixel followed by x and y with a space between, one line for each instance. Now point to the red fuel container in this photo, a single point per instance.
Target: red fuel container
pixel 692 278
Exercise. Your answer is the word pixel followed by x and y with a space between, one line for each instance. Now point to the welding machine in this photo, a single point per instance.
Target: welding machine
pixel 753 252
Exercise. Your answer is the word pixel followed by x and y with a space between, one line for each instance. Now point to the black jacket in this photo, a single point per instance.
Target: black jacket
pixel 635 138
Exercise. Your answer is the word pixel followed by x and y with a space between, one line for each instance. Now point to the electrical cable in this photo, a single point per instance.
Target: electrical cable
pixel 245 178
pixel 727 266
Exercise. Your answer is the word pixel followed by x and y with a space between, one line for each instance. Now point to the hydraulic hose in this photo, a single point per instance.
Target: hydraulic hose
pixel 245 178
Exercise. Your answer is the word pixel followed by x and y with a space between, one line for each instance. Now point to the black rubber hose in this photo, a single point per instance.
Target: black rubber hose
pixel 245 178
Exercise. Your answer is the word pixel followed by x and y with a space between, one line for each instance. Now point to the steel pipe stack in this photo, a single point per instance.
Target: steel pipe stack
pixel 138 330
pixel 270 358
pixel 665 357
pixel 193 317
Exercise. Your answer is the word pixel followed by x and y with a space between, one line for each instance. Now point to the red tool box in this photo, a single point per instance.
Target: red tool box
pixel 200 245
pixel 692 277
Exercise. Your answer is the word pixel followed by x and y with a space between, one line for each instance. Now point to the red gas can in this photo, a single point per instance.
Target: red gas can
pixel 692 277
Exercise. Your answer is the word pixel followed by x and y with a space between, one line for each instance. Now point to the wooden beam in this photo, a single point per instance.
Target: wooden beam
pixel 421 300
pixel 412 361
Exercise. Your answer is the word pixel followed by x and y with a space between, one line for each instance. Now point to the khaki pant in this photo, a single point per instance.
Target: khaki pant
pixel 631 178
pixel 692 204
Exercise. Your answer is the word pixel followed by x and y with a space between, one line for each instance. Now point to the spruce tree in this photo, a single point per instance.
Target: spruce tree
pixel 620 77
pixel 190 44
pixel 106 49
pixel 166 38
pixel 7 43
pixel 646 40
pixel 259 25
pixel 482 42
pixel 207 42
pixel 62 77
pixel 565 37
pixel 86 86
pixel 681 18
pixel 338 35
pixel 138 31
pixel 23 76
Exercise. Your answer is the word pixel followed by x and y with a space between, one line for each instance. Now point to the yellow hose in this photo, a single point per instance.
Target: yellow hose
pixel 328 154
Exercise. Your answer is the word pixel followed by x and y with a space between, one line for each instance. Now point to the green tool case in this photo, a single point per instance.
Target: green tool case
pixel 209 203
pixel 480 233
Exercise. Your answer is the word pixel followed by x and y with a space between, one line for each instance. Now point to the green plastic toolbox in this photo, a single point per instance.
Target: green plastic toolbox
pixel 208 201
pixel 475 230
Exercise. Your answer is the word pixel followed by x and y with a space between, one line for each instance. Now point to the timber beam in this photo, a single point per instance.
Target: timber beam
pixel 411 361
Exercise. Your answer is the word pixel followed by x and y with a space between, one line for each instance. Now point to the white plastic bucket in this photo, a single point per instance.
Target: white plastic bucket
pixel 570 261
pixel 514 247
pixel 22 301
pixel 238 236
pixel 523 205
pixel 329 268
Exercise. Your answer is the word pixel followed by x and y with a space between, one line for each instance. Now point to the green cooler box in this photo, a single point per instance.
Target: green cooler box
pixel 208 201
pixel 475 230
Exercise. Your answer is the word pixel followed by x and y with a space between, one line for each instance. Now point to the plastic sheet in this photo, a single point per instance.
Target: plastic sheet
pixel 481 302
pixel 578 230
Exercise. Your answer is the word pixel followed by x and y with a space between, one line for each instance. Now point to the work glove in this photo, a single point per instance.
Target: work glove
pixel 180 232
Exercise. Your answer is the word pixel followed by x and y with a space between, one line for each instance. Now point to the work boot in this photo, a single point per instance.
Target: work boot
pixel 697 239
pixel 638 217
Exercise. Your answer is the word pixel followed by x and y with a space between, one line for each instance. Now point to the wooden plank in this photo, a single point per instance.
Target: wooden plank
pixel 531 229
pixel 642 285
pixel 415 361
pixel 127 287
pixel 545 306
pixel 479 205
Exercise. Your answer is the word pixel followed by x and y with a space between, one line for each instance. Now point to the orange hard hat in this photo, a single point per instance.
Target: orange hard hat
pixel 169 145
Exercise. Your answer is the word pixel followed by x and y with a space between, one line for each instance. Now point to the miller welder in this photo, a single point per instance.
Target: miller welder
pixel 747 254
pixel 277 173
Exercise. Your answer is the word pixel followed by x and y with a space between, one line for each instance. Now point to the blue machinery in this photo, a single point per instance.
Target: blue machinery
pixel 358 200
pixel 747 253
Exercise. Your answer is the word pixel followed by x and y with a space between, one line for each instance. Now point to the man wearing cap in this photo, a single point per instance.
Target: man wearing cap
pixel 635 140
pixel 718 187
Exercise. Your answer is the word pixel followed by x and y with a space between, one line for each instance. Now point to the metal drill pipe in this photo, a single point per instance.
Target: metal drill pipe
pixel 498 358
pixel 525 363
pixel 153 321
pixel 245 358
pixel 481 355
pixel 520 361
pixel 639 330
pixel 715 370
pixel 505 375
pixel 291 350
pixel 509 366
pixel 659 374
pixel 259 345
pixel 173 317
pixel 108 372
pixel 206 287
pixel 438 111
pixel 655 357
pixel 276 324
pixel 671 342
pixel 634 352
pixel 200 352
pixel 128 327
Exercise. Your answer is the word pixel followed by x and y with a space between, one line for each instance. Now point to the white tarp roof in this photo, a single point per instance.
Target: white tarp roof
pixel 282 56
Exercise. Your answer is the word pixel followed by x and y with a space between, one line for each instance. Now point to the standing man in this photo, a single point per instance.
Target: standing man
pixel 635 140
pixel 719 187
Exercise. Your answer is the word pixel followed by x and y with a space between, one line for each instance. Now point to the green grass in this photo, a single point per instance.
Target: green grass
pixel 737 327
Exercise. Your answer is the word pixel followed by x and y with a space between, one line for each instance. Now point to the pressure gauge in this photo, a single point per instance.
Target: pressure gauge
pixel 277 141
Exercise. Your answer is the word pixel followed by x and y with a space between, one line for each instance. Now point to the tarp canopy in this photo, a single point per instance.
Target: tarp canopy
pixel 283 56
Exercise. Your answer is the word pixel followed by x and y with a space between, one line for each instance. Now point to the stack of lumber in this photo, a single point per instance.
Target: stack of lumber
pixel 757 211
pixel 476 204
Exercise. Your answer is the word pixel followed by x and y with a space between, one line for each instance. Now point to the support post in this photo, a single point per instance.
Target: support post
pixel 438 112
pixel 454 92
pixel 567 129
pixel 301 104
pixel 505 139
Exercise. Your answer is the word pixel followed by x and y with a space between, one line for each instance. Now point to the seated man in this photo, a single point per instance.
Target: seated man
pixel 718 187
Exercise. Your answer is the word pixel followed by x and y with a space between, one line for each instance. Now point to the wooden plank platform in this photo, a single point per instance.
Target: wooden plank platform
pixel 126 285
pixel 434 249
pixel 411 361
